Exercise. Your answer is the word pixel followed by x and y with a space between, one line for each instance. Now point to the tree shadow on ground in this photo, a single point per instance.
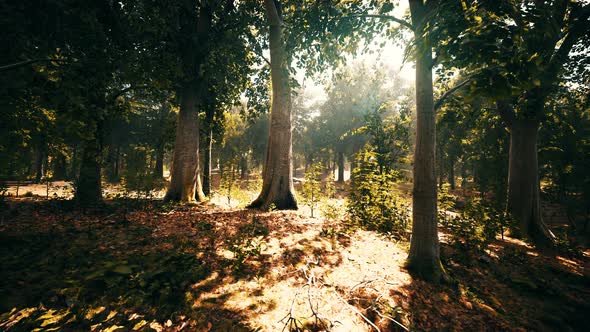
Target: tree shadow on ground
pixel 511 287
pixel 136 266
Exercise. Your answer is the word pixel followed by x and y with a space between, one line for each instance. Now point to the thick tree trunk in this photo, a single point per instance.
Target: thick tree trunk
pixel 207 164
pixel 185 184
pixel 424 257
pixel 340 167
pixel 88 189
pixel 277 178
pixel 524 203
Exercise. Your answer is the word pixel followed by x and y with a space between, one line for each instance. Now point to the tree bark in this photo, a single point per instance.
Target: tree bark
pixel 243 166
pixel 207 164
pixel 463 175
pixel 452 172
pixel 185 185
pixel 524 203
pixel 40 155
pixel 424 257
pixel 60 167
pixel 441 170
pixel 113 164
pixel 277 183
pixel 340 167
pixel 159 167
pixel 88 189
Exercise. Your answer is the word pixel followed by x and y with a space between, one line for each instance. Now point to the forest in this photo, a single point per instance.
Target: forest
pixel 295 165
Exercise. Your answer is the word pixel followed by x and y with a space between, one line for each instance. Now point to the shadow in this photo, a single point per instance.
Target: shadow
pixel 511 287
pixel 74 271
pixel 143 265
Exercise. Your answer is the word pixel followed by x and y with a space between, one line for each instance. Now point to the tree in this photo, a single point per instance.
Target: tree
pixel 185 183
pixel 277 176
pixel 424 256
pixel 516 52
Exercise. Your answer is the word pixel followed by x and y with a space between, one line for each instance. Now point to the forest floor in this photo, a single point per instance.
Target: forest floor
pixel 144 265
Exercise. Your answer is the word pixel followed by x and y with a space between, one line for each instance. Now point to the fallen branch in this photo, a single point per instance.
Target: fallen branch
pixel 28 62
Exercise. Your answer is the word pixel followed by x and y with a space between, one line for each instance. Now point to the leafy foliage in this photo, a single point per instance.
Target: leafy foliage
pixel 311 189
pixel 477 225
pixel 372 203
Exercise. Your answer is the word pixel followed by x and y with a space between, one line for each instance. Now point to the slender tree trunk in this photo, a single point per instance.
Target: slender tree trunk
pixel 243 167
pixel 88 191
pixel 452 172
pixel 113 164
pixel 74 168
pixel 441 170
pixel 463 175
pixel 59 167
pixel 117 165
pixel 207 163
pixel 524 202
pixel 340 167
pixel 185 184
pixel 277 184
pixel 159 167
pixel 424 257
pixel 39 160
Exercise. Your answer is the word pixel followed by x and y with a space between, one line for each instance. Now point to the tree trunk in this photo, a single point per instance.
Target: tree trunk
pixel 60 167
pixel 524 203
pixel 463 175
pixel 441 170
pixel 185 184
pixel 452 172
pixel 243 167
pixel 39 160
pixel 277 177
pixel 159 167
pixel 113 164
pixel 88 189
pixel 424 257
pixel 207 164
pixel 74 167
pixel 340 167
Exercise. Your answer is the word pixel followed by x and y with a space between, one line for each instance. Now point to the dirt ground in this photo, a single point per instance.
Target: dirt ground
pixel 145 265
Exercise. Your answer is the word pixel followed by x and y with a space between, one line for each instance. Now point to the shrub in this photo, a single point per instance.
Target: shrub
pixel 476 226
pixel 247 243
pixel 372 204
pixel 311 190
pixel 139 177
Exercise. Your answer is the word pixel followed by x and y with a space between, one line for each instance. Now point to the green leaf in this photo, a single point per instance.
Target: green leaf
pixel 123 269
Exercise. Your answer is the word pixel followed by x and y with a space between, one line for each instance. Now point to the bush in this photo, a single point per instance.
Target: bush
pixel 138 175
pixel 311 190
pixel 476 226
pixel 372 204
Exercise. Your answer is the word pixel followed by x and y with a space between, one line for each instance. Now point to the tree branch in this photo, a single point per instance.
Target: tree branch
pixel 28 62
pixel 450 92
pixel 506 112
pixel 385 17
pixel 130 88
pixel 256 52
pixel 570 39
